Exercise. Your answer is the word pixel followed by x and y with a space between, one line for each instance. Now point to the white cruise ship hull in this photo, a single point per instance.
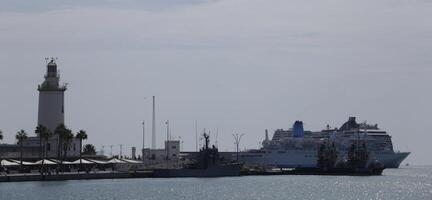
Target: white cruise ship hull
pixel 306 158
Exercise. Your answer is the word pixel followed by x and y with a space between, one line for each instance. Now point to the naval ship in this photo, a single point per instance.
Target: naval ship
pixel 207 163
pixel 296 148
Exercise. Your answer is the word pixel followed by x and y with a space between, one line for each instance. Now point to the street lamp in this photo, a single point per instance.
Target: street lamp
pixel 103 150
pixel 143 138
pixel 180 142
pixel 167 141
pixel 237 139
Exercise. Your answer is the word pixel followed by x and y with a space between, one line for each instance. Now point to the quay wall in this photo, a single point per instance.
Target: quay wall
pixel 74 176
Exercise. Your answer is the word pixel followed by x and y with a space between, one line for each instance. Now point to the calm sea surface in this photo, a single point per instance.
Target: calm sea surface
pixel 404 183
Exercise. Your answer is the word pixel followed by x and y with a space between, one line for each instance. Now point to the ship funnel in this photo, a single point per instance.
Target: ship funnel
pixel 350 124
pixel 298 130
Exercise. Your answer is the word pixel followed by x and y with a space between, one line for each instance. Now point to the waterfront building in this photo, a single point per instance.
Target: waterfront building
pixel 171 151
pixel 13 151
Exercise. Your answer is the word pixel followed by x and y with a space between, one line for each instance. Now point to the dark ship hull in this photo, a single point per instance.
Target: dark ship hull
pixel 338 172
pixel 316 171
pixel 212 171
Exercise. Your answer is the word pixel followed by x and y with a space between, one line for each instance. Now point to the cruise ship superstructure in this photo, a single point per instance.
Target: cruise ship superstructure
pixel 298 148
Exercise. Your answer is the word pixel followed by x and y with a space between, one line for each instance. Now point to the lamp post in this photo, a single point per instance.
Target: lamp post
pixel 143 137
pixel 180 143
pixel 103 149
pixel 196 135
pixel 237 139
pixel 167 140
pixel 167 144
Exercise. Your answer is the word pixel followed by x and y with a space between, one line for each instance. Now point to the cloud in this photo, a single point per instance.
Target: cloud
pixel 23 6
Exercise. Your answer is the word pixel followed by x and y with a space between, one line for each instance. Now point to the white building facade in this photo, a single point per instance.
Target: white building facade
pixel 171 151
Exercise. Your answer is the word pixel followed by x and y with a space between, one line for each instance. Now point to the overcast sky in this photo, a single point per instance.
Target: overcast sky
pixel 239 66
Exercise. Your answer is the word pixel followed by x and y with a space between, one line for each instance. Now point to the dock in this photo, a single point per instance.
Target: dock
pixel 73 176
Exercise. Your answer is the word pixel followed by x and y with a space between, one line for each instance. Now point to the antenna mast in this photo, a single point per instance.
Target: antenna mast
pixel 217 133
pixel 143 137
pixel 154 125
pixel 196 135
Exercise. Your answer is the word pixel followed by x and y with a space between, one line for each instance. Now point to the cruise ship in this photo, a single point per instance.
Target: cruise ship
pixel 295 147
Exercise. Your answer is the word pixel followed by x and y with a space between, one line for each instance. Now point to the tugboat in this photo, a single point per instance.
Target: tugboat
pixel 327 157
pixel 358 162
pixel 207 164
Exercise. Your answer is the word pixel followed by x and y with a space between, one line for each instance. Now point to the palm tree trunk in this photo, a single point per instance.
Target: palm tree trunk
pixel 21 154
pixel 40 146
pixel 45 149
pixel 44 154
pixel 59 148
pixel 40 151
pixel 80 153
pixel 43 159
pixel 64 154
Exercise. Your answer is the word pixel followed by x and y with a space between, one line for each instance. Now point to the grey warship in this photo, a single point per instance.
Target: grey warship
pixel 207 164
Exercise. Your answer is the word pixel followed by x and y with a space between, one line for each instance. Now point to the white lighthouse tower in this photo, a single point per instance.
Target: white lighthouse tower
pixel 51 113
pixel 51 99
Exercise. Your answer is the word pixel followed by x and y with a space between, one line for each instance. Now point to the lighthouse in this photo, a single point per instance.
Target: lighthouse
pixel 50 114
pixel 51 98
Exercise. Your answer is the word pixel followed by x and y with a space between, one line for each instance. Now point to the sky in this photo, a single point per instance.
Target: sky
pixel 235 66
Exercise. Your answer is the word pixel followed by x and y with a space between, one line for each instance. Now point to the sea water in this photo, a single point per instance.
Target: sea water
pixel 403 183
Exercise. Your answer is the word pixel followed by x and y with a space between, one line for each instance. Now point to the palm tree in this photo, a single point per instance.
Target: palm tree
pixel 39 130
pixel 67 138
pixel 59 131
pixel 89 149
pixel 81 135
pixel 21 136
pixel 46 135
